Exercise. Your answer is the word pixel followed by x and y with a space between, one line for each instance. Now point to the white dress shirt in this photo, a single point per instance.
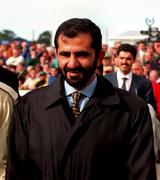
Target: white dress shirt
pixel 120 77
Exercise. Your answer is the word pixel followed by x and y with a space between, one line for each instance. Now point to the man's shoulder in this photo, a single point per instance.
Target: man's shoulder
pixel 140 80
pixel 110 76
pixel 34 95
pixel 126 98
pixel 44 94
pixel 5 71
pixel 131 100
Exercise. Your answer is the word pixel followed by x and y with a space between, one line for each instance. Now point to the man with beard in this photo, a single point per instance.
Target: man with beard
pixel 126 55
pixel 106 135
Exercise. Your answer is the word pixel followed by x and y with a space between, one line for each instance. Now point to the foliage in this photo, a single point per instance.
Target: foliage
pixel 7 35
pixel 45 37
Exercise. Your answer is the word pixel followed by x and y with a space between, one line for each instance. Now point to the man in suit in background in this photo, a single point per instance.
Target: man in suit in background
pixel 125 79
pixel 8 97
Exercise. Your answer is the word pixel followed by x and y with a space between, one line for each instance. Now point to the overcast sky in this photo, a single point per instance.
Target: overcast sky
pixel 25 16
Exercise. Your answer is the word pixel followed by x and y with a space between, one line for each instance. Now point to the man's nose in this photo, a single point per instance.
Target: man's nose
pixel 124 60
pixel 73 62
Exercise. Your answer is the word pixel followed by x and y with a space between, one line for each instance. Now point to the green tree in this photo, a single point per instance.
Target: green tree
pixel 45 37
pixel 7 35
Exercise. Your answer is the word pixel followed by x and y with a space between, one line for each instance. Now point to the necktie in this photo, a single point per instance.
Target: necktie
pixel 124 83
pixel 75 104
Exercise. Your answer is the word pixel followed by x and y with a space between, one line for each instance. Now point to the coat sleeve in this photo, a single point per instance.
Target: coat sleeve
pixel 6 108
pixel 141 158
pixel 19 166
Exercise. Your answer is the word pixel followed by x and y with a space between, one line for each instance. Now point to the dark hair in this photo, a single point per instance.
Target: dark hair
pixel 72 27
pixel 127 48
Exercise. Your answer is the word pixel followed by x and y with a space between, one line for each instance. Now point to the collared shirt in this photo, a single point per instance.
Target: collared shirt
pixel 120 77
pixel 87 92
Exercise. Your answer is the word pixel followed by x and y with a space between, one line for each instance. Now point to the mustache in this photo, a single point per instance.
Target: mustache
pixel 77 69
pixel 124 64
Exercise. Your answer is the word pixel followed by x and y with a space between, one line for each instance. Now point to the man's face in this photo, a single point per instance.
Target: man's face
pixel 137 69
pixel 125 61
pixel 76 59
pixel 157 47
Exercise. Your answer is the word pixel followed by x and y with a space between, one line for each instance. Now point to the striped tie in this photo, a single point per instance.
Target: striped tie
pixel 75 103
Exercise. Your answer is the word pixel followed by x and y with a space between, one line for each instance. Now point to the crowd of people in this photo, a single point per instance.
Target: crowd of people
pixel 36 64
pixel 108 134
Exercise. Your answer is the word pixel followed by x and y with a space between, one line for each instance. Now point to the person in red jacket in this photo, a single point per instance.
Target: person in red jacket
pixel 156 92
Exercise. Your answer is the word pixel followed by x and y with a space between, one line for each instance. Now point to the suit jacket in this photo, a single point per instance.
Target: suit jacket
pixel 112 138
pixel 139 85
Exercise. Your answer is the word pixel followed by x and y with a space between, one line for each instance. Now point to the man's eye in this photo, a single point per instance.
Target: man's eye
pixel 82 54
pixel 65 54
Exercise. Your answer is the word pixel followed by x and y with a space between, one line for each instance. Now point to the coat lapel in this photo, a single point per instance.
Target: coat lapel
pixel 133 87
pixel 104 95
pixel 55 105
pixel 115 80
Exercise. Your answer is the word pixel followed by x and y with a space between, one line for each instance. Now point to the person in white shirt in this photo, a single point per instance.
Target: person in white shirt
pixel 16 57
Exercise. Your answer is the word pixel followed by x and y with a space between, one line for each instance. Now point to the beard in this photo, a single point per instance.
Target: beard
pixel 79 82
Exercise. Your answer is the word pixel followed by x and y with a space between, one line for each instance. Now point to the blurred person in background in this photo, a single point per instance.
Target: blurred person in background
pixel 107 63
pixel 156 61
pixel 137 68
pixel 148 57
pixel 2 61
pixel 156 90
pixel 30 81
pixel 156 46
pixel 154 76
pixel 32 59
pixel 25 49
pixel 105 47
pixel 8 97
pixel 146 69
pixel 141 49
pixel 42 80
pixel 16 57
pixel 51 53
pixel 54 72
pixel 43 60
pixel 21 73
pixel 38 68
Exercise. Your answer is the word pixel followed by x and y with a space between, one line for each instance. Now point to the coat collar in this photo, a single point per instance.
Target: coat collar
pixel 55 92
pixel 104 93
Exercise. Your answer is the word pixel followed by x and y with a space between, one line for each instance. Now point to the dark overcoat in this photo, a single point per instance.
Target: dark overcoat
pixel 112 139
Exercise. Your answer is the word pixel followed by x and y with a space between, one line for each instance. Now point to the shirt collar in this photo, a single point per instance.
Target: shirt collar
pixel 120 75
pixel 87 91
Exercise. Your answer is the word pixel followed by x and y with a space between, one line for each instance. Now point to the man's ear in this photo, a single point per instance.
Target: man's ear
pixel 100 57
